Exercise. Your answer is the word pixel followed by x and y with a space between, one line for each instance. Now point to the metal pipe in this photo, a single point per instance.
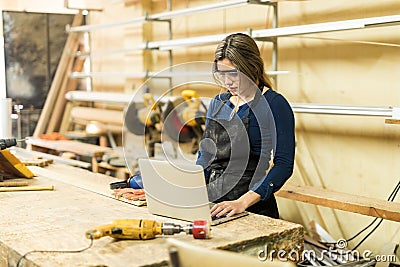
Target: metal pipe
pixel 163 74
pixel 198 9
pixel 269 34
pixel 297 107
pixel 342 110
pixel 163 15
pixel 275 43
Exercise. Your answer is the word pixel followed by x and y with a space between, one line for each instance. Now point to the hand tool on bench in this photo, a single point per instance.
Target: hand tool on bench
pixel 6 143
pixel 26 188
pixel 139 229
pixel 13 183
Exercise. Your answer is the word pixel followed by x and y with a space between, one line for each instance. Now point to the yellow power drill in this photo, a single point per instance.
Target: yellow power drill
pixel 139 229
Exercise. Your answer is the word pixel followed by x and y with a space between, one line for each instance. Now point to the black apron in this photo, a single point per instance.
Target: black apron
pixel 234 165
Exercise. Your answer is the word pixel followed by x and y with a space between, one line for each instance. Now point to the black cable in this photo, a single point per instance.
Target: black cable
pixel 55 251
pixel 362 240
pixel 390 198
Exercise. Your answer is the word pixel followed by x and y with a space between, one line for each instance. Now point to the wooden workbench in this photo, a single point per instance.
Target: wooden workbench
pixel 58 220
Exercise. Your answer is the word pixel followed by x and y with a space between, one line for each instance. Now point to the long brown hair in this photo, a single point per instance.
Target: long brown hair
pixel 244 54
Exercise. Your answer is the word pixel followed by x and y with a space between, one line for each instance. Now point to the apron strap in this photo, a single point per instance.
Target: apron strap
pixel 222 103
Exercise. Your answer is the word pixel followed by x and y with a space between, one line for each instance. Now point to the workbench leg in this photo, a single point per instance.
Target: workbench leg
pixel 95 165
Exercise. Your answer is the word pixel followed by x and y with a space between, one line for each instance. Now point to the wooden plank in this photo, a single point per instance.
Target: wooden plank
pixel 11 166
pixel 106 116
pixel 66 86
pixel 107 127
pixel 36 162
pixel 392 121
pixel 76 147
pixel 100 97
pixel 62 70
pixel 60 224
pixel 23 153
pixel 66 119
pixel 342 201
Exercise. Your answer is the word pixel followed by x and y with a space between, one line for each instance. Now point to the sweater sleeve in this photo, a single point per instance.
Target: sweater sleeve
pixel 285 149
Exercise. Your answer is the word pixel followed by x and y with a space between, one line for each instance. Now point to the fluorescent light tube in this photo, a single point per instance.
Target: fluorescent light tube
pixel 327 26
pixel 163 15
pixel 199 9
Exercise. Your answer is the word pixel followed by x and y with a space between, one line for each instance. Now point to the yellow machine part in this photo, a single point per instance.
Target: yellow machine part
pixel 11 166
pixel 135 229
pixel 193 105
pixel 150 114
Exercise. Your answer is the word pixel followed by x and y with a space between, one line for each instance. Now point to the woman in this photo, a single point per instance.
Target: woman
pixel 244 125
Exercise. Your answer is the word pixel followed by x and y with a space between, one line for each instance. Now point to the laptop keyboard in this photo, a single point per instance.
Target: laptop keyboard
pixel 218 220
pixel 213 218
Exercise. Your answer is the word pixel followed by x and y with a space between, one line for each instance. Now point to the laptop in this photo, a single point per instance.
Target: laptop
pixel 178 190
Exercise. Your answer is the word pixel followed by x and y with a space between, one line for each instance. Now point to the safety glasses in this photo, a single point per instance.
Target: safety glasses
pixel 222 75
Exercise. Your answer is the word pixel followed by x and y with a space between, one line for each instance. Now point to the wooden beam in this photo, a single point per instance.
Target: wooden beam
pixel 105 116
pixel 342 201
pixel 392 121
pixel 63 68
pixel 20 152
pixel 66 86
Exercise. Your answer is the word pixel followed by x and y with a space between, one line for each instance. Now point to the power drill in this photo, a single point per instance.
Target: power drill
pixel 6 143
pixel 139 229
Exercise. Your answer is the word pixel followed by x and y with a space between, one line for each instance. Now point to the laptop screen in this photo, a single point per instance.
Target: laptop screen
pixel 175 190
pixel 178 190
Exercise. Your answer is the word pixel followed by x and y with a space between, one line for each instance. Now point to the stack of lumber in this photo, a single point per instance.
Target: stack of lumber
pixel 50 118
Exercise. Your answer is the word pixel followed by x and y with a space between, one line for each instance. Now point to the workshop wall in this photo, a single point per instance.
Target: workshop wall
pixel 351 154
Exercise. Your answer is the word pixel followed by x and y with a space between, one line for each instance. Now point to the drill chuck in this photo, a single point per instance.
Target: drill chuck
pixel 199 229
pixel 171 228
pixel 6 143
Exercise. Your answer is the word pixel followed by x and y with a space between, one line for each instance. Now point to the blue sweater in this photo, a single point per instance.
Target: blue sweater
pixel 283 160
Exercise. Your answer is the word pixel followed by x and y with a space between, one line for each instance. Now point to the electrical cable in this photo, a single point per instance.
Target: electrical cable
pixel 55 251
pixel 396 189
pixel 362 240
pixel 394 193
pixel 390 198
